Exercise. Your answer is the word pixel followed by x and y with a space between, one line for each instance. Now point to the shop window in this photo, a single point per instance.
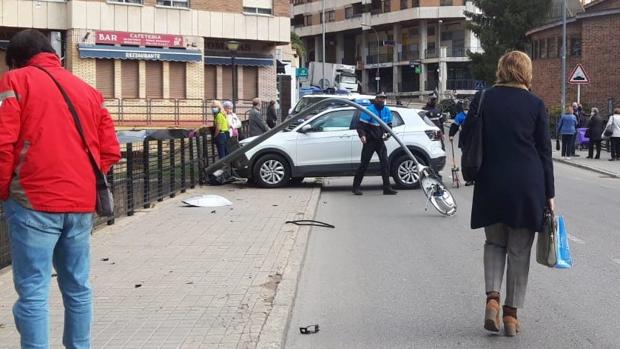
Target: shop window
pixel 130 75
pixel 543 48
pixel 415 3
pixel 227 82
pixel 210 82
pixel 250 82
pixel 404 4
pixel 552 47
pixel 177 78
pixel 154 80
pixel 105 77
pixel 173 3
pixel 446 2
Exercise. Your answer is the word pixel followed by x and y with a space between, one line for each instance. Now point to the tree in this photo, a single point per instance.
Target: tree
pixel 298 45
pixel 501 27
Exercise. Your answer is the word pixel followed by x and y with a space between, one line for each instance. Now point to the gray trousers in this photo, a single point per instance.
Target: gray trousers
pixel 504 242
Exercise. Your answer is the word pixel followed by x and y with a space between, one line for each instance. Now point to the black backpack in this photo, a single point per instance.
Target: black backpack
pixel 471 134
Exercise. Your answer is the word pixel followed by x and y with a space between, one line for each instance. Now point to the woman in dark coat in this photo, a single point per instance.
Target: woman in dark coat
pixel 595 131
pixel 272 115
pixel 514 184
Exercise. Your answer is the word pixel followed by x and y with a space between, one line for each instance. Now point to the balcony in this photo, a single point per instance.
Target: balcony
pixel 409 86
pixel 451 52
pixel 380 58
pixel 461 84
pixel 457 51
pixel 431 53
pixel 409 54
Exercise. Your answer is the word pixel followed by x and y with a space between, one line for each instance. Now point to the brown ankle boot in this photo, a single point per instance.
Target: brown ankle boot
pixel 491 312
pixel 511 324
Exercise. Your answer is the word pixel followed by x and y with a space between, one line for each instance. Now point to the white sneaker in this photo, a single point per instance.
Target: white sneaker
pixel 567 158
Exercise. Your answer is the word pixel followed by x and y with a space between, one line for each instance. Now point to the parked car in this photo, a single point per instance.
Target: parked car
pixel 327 145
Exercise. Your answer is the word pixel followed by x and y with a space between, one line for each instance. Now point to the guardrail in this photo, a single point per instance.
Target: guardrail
pixel 167 113
pixel 148 172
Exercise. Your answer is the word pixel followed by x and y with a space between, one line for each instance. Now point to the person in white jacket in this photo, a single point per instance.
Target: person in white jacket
pixel 233 120
pixel 613 127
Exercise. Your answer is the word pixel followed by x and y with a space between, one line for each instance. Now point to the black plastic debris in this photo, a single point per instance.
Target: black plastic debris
pixel 312 329
pixel 137 285
pixel 311 222
pixel 105 259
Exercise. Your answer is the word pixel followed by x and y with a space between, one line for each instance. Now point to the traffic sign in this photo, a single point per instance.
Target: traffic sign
pixel 301 72
pixel 579 76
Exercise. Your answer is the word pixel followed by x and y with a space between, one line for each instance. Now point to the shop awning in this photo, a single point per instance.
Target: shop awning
pixel 239 60
pixel 139 53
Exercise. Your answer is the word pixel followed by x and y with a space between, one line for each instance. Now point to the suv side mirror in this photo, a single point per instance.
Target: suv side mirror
pixel 305 128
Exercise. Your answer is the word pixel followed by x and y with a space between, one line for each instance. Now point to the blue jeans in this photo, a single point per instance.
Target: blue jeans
pixel 221 141
pixel 38 240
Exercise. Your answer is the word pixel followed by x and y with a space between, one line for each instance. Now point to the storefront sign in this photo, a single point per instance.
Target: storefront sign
pixel 138 39
pixel 139 53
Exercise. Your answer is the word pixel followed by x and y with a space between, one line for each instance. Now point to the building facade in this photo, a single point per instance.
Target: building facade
pixel 157 61
pixel 413 47
pixel 592 41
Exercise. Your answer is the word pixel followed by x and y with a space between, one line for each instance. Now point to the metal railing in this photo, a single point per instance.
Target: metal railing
pixel 408 54
pixel 148 172
pixel 386 57
pixel 166 113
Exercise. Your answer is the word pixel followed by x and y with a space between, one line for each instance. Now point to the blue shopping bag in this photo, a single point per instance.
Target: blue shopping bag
pixel 565 261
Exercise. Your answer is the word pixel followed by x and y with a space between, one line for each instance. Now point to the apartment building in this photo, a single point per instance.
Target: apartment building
pixel 411 47
pixel 146 55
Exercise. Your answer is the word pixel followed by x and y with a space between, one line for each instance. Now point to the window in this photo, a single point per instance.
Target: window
pixel 431 30
pixel 552 47
pixel 174 3
pixel 575 46
pixel 353 11
pixel 177 80
pixel 227 82
pixel 130 86
pixel 335 121
pixel 139 2
pixel 250 82
pixel 543 48
pixel 210 81
pixel 535 50
pixel 446 3
pixel 307 20
pixel 257 10
pixel 154 80
pixel 404 4
pixel 415 3
pixel 331 16
pixel 105 77
pixel 396 119
pixel 559 46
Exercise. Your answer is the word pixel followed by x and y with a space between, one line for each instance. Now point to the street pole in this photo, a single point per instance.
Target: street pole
pixel 563 57
pixel 323 29
pixel 234 74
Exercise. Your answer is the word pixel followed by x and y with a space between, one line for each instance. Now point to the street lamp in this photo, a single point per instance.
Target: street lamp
pixel 377 75
pixel 233 46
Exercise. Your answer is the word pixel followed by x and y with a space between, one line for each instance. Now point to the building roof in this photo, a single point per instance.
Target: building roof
pixel 577 17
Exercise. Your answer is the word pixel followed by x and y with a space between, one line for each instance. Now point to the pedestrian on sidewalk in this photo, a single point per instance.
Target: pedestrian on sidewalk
pixel 272 115
pixel 433 113
pixel 568 128
pixel 234 123
pixel 373 136
pixel 594 133
pixel 614 125
pixel 221 128
pixel 47 183
pixel 511 192
pixel 257 124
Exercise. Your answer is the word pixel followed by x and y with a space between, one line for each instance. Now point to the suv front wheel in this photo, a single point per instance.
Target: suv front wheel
pixel 405 173
pixel 271 171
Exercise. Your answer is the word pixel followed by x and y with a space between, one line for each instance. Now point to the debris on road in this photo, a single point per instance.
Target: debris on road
pixel 312 329
pixel 208 201
pixel 311 222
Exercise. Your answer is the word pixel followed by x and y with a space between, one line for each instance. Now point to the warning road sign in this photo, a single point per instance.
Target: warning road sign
pixel 579 76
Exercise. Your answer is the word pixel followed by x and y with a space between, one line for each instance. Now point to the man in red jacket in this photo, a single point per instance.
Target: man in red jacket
pixel 48 185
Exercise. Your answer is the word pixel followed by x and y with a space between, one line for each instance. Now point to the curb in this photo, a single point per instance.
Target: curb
pixel 589 168
pixel 274 331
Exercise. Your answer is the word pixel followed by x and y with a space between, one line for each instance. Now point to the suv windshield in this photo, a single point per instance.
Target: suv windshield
pixel 348 79
pixel 306 102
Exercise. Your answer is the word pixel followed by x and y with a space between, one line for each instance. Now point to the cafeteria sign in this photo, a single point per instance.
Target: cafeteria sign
pixel 139 39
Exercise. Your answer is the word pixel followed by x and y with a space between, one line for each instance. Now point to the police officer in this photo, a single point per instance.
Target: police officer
pixel 373 136
pixel 434 114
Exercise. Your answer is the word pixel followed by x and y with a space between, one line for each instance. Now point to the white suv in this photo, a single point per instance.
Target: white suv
pixel 327 144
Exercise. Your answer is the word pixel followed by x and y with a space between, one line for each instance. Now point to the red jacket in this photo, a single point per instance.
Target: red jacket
pixel 43 164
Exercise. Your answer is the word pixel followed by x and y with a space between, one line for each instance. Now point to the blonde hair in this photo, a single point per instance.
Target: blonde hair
pixel 617 111
pixel 515 67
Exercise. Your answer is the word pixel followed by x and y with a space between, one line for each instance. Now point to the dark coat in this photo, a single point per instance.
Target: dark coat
pixel 272 116
pixel 516 176
pixel 596 126
pixel 257 124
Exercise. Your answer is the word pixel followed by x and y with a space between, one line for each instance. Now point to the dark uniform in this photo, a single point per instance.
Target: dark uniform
pixel 371 132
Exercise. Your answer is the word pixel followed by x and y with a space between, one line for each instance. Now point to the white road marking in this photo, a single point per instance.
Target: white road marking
pixel 576 239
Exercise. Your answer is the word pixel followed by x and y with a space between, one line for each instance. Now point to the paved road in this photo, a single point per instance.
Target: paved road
pixel 393 276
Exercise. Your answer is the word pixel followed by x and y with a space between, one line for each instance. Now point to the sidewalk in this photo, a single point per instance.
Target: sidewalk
pixel 602 166
pixel 180 277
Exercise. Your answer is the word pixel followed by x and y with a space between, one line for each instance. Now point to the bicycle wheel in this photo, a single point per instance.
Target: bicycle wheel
pixel 438 195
